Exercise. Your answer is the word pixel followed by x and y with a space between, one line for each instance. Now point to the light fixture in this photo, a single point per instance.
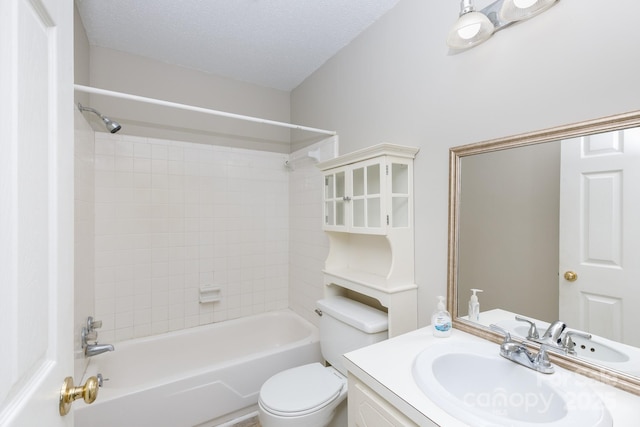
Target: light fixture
pixel 518 10
pixel 470 29
pixel 473 27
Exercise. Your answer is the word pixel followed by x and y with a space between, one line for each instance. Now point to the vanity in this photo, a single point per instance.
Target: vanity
pixel 546 224
pixel 384 392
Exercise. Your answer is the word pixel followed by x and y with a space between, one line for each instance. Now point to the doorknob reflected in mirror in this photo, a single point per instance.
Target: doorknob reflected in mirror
pixel 69 393
pixel 570 276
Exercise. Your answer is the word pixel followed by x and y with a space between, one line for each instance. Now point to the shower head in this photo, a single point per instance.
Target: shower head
pixel 111 126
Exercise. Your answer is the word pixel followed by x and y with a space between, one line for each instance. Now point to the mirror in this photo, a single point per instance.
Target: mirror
pixel 541 223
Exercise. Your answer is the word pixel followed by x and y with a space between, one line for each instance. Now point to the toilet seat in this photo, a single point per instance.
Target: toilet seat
pixel 301 390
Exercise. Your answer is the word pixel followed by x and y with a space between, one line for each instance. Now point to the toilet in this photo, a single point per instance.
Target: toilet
pixel 314 395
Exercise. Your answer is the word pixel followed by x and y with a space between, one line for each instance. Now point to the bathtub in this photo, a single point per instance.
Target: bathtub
pixel 202 376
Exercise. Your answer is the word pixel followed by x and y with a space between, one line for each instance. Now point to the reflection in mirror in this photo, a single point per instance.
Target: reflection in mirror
pixel 551 231
pixel 509 203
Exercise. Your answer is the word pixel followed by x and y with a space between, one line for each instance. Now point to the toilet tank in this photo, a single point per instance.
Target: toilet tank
pixel 348 325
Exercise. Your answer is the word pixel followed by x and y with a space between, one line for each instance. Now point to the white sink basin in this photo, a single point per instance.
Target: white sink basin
pixel 473 383
pixel 595 349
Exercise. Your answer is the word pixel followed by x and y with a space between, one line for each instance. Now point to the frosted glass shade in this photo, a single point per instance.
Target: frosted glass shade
pixel 469 30
pixel 517 10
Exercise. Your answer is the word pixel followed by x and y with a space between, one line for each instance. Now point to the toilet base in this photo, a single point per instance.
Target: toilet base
pixel 340 415
pixel 335 418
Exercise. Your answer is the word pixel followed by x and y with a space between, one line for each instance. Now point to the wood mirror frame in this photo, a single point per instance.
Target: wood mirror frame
pixel 601 373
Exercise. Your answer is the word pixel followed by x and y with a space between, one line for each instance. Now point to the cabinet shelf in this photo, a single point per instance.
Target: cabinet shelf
pixel 368 217
pixel 362 282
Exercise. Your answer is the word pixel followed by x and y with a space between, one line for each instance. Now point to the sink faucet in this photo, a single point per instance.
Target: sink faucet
pixel 553 332
pixel 553 336
pixel 89 333
pixel 517 352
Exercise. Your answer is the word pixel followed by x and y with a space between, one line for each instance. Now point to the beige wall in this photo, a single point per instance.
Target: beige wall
pixel 509 223
pixel 398 83
pixel 80 55
pixel 122 72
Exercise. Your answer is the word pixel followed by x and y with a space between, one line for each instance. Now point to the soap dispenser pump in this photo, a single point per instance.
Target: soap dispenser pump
pixel 441 320
pixel 474 306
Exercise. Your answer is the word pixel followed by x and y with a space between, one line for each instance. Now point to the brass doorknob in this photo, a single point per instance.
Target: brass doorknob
pixel 570 276
pixel 69 393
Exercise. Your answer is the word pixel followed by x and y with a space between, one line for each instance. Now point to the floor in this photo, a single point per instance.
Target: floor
pixel 251 422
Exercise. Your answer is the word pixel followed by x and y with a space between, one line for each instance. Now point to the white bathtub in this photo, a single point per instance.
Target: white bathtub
pixel 200 376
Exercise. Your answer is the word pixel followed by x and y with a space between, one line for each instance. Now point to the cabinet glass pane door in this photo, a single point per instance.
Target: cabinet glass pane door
pixel 399 195
pixel 366 211
pixel 340 198
pixel 334 192
pixel 373 196
pixel 373 180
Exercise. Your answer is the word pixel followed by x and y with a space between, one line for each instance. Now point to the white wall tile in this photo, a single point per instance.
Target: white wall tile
pixel 84 232
pixel 308 245
pixel 172 216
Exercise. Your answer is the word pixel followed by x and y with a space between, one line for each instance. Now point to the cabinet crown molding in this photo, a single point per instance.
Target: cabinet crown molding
pixel 383 149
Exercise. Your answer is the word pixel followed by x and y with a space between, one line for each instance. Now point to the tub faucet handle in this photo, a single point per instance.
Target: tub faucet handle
pixel 93 324
pixel 89 332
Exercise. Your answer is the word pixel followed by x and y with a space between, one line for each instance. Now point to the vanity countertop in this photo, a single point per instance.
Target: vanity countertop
pixel 386 367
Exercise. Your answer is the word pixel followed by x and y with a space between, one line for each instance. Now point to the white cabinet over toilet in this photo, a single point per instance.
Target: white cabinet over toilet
pixel 368 217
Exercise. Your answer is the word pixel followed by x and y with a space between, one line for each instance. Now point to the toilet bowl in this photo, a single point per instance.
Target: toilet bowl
pixel 314 395
pixel 305 396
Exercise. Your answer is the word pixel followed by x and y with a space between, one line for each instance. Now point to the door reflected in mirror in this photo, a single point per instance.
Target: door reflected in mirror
pixel 548 226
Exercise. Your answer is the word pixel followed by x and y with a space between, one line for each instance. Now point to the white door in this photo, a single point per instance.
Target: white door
pixel 600 234
pixel 36 209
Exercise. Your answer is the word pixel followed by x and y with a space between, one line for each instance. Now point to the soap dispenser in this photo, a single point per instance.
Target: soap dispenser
pixel 474 306
pixel 441 320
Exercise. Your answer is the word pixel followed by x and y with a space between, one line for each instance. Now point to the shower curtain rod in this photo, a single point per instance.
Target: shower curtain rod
pixel 97 91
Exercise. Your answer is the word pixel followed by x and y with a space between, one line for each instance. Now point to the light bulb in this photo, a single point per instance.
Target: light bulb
pixel 470 29
pixel 518 10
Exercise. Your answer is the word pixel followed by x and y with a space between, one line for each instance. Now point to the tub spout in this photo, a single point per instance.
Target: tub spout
pixel 95 349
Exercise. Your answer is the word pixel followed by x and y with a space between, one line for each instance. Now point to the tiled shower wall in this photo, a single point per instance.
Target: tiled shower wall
pixel 309 245
pixel 84 198
pixel 171 217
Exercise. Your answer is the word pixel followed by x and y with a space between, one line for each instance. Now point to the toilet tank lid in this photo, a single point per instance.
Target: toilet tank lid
pixel 354 313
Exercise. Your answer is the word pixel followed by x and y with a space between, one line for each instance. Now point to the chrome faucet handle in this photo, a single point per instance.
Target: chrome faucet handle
pixel 496 328
pixel 542 362
pixel 533 329
pixel 568 344
pixel 93 324
pixel 543 356
pixel 509 347
pixel 573 332
pixel 87 336
pixel 89 332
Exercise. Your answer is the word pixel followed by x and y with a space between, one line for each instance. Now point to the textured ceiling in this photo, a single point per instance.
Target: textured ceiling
pixel 272 43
